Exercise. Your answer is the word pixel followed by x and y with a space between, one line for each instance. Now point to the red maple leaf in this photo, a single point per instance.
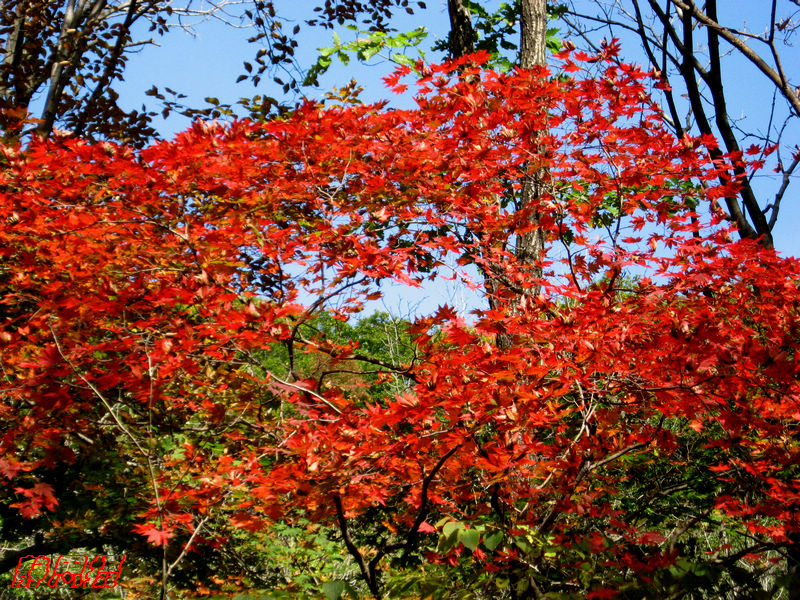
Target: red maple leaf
pixel 154 534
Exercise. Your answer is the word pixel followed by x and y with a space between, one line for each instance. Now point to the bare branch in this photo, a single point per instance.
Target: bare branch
pixel 773 74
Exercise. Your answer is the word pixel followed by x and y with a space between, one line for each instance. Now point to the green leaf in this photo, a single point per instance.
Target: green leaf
pixel 333 590
pixel 470 538
pixel 522 545
pixel 492 541
pixel 402 59
pixel 369 52
pixel 450 535
pixel 451 527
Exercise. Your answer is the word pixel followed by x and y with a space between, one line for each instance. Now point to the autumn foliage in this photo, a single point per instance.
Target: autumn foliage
pixel 146 293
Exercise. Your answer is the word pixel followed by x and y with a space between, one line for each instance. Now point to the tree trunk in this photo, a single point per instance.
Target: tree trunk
pixel 533 34
pixel 533 45
pixel 530 246
pixel 533 49
pixel 462 35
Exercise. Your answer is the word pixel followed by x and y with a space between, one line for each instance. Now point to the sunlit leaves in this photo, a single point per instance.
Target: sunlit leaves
pixel 187 305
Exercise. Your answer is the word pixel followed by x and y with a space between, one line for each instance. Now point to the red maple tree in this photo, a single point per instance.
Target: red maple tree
pixel 144 293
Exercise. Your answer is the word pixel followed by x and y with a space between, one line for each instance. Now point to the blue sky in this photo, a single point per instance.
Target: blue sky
pixel 208 64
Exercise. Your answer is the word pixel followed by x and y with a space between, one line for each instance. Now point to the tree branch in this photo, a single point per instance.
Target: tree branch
pixel 353 550
pixel 773 75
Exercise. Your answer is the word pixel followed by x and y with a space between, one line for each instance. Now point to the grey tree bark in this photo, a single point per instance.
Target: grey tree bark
pixel 533 34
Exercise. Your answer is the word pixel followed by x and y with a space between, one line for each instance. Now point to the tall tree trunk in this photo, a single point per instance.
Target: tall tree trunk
pixel 462 35
pixel 533 46
pixel 533 34
pixel 530 246
pixel 533 52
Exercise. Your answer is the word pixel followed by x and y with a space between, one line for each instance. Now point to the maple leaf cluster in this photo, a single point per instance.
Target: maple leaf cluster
pixel 146 295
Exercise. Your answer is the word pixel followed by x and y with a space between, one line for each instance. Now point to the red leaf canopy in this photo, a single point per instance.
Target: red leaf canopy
pixel 145 292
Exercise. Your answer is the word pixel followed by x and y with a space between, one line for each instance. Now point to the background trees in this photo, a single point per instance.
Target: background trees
pixel 61 63
pixel 702 54
pixel 61 60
